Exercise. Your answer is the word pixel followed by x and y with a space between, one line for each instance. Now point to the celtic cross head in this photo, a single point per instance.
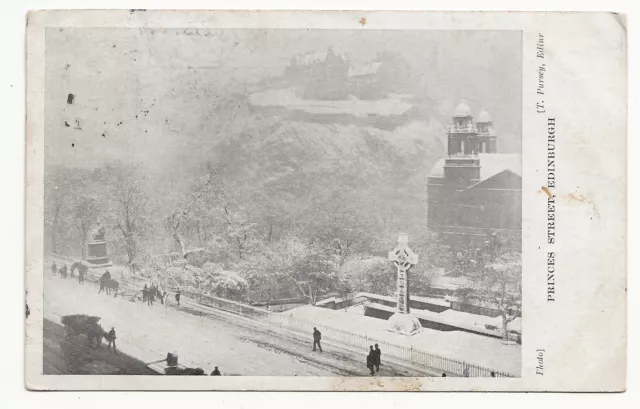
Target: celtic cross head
pixel 402 256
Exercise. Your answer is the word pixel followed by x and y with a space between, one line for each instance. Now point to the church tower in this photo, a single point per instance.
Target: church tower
pixel 462 165
pixel 486 137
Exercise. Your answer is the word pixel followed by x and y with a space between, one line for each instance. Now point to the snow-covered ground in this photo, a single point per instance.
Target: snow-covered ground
pixel 476 349
pixel 149 332
pixel 395 105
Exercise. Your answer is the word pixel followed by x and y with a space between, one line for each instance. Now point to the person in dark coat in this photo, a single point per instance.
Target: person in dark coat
pixel 178 297
pixel 317 336
pixel 377 360
pixel 145 294
pixel 111 338
pixel 152 292
pixel 63 271
pixel 371 358
pixel 215 372
pixel 54 268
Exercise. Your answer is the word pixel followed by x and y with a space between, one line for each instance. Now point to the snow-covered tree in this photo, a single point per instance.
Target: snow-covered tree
pixel 500 283
pixel 84 210
pixel 372 275
pixel 128 207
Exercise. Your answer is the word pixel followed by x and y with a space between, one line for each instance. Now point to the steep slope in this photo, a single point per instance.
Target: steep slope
pixel 385 169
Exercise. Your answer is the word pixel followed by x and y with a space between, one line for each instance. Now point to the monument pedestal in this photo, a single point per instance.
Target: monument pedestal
pixel 405 324
pixel 97 252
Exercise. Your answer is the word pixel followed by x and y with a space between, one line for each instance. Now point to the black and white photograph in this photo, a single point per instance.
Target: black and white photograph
pixel 282 202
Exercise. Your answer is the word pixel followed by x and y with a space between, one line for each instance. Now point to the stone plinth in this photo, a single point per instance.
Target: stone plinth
pixel 97 252
pixel 405 324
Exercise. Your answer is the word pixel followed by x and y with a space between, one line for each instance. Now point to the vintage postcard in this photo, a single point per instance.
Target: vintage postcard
pixel 341 201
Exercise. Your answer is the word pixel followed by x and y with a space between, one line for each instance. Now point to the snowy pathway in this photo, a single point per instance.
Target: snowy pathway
pixel 237 348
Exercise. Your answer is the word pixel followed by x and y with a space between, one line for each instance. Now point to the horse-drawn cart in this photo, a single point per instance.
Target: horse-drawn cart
pixel 81 324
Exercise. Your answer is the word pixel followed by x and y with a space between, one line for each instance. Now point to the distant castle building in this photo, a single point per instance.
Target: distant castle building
pixel 332 76
pixel 475 192
pixel 318 65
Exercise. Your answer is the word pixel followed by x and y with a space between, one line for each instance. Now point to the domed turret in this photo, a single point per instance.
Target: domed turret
pixel 484 117
pixel 462 110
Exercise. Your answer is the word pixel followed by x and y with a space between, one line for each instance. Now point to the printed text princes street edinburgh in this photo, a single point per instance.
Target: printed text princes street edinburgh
pixel 551 173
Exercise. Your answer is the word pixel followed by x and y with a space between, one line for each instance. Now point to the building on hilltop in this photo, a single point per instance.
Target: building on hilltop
pixel 475 192
pixel 317 65
pixel 333 76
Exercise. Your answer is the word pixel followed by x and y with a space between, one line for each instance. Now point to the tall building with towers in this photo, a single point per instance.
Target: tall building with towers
pixel 474 192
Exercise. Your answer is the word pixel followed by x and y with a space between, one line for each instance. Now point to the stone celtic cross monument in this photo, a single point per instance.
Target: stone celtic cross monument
pixel 403 259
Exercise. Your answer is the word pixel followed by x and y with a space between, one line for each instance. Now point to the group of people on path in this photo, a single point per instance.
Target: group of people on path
pixel 373 359
pixel 149 294
pixel 64 271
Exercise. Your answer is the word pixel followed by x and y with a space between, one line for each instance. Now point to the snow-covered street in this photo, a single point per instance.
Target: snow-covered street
pixel 236 347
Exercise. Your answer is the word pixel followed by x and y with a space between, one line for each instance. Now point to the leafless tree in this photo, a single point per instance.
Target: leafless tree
pixel 84 211
pixel 128 190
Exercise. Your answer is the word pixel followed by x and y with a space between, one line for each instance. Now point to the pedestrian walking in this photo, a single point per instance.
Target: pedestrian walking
pixel 161 295
pixel 152 292
pixel 178 297
pixel 377 361
pixel 215 372
pixel 111 339
pixel 54 268
pixel 317 336
pixel 371 359
pixel 145 294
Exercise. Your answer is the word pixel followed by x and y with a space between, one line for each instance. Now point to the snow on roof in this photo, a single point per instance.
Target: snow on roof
pixel 462 110
pixel 426 300
pixel 431 300
pixel 490 165
pixel 367 69
pixel 463 320
pixel 449 283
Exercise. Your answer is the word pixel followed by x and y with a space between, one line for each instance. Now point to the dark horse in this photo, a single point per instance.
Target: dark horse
pixel 82 270
pixel 107 284
pixel 63 271
pixel 111 285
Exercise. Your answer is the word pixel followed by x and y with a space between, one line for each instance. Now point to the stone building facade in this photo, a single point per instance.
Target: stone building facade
pixel 475 192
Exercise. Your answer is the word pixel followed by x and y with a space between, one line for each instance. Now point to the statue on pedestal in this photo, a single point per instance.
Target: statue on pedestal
pixel 403 259
pixel 97 248
pixel 99 232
